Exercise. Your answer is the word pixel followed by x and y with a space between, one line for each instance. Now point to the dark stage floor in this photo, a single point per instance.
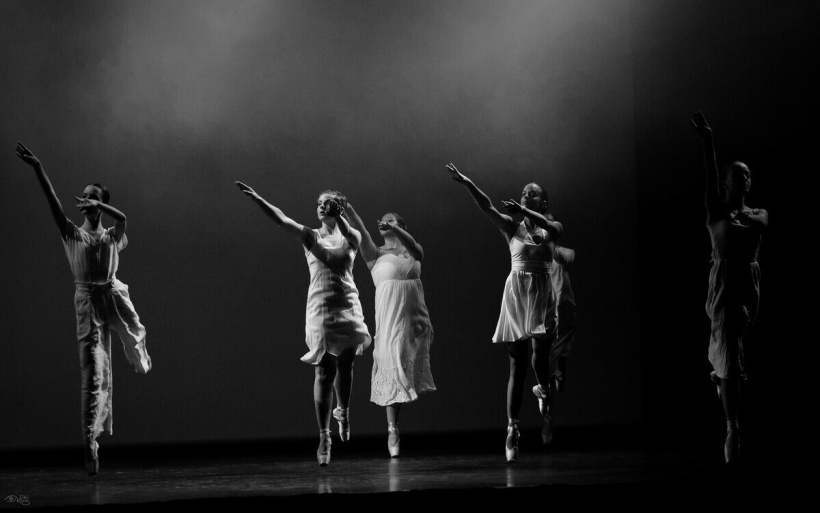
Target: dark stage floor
pixel 603 467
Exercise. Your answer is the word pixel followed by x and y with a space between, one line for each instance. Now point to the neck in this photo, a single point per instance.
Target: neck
pixel 391 241
pixel 737 202
pixel 92 224
pixel 529 223
pixel 329 226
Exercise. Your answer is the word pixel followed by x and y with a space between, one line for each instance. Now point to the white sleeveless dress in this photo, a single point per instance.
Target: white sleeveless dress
pixel 401 352
pixel 333 315
pixel 528 303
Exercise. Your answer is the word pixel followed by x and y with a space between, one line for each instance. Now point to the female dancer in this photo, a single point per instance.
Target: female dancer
pixel 528 303
pixel 101 302
pixel 401 354
pixel 335 331
pixel 734 280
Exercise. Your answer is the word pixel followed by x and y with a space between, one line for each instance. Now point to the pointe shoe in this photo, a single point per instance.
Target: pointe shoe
pixel 543 396
pixel 393 440
pixel 511 447
pixel 323 452
pixel 342 417
pixel 92 460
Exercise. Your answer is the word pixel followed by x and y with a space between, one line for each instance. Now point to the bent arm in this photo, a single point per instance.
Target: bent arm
pixel 758 217
pixel 369 250
pixel 119 219
pixel 351 235
pixel 553 227
pixel 413 247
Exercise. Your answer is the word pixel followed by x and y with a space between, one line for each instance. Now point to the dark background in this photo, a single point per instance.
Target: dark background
pixel 168 103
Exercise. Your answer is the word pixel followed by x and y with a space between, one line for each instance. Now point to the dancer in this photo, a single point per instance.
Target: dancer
pixel 101 302
pixel 335 331
pixel 734 280
pixel 401 352
pixel 562 259
pixel 528 304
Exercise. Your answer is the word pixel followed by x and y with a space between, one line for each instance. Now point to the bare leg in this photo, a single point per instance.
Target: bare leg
pixel 393 441
pixel 343 386
pixel 518 374
pixel 730 397
pixel 541 349
pixel 344 378
pixel 541 359
pixel 325 374
pixel 515 389
pixel 393 411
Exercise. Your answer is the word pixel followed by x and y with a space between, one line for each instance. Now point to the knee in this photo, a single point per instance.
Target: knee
pixel 323 375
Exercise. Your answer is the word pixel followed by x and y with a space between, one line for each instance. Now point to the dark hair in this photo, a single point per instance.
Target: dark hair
pixel 106 196
pixel 399 219
pixel 338 195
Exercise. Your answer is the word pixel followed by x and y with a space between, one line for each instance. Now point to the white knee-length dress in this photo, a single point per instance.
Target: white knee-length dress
pixel 333 316
pixel 528 302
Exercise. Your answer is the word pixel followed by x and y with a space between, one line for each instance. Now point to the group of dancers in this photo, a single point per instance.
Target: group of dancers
pixel 537 307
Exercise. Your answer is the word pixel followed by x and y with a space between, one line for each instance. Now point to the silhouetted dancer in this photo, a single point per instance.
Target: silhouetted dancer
pixel 734 280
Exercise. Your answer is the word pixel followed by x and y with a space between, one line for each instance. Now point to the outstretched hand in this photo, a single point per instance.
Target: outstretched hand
pixel 246 189
pixel 512 206
pixel 701 126
pixel 26 155
pixel 455 174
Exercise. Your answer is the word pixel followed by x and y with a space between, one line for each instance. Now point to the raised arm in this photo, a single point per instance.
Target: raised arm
pixel 547 222
pixel 352 235
pixel 503 222
pixel 53 203
pixel 369 250
pixel 301 233
pixel 712 180
pixel 413 247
